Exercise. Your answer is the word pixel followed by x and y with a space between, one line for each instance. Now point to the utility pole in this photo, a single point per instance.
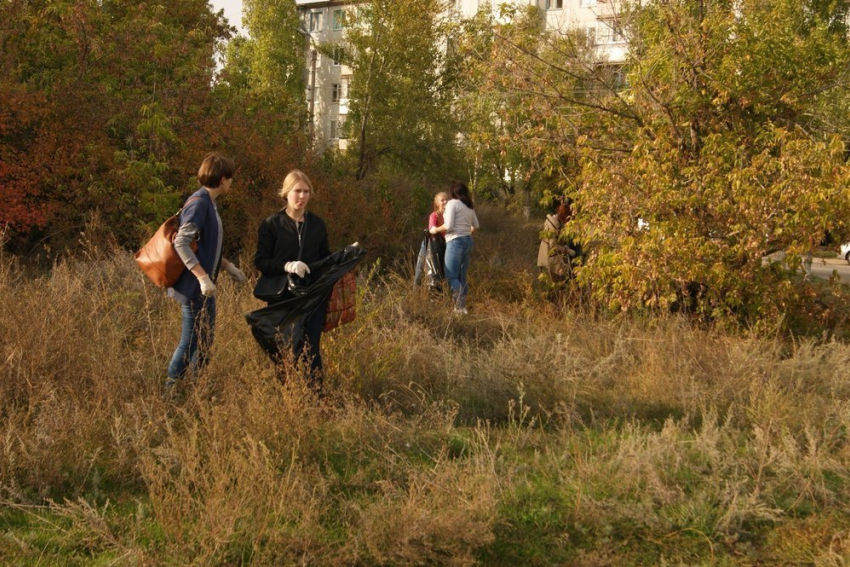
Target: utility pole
pixel 314 55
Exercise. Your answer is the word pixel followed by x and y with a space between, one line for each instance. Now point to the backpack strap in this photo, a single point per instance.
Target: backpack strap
pixel 189 200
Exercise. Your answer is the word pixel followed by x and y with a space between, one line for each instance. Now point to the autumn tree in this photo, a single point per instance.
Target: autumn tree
pixel 503 136
pixel 261 96
pixel 99 102
pixel 725 142
pixel 402 89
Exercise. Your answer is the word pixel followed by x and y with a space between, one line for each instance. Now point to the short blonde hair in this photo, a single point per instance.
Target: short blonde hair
pixel 292 179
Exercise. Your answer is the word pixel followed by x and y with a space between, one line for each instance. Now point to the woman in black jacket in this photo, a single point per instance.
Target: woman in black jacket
pixel 289 242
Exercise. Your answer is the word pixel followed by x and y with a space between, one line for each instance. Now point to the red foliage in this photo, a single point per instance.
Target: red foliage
pixel 21 124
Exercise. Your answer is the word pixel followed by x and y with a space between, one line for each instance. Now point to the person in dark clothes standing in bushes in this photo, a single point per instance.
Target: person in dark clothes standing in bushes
pixel 195 290
pixel 553 258
pixel 287 243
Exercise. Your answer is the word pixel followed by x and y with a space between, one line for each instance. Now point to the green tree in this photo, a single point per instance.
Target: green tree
pixel 503 137
pixel 402 87
pixel 269 63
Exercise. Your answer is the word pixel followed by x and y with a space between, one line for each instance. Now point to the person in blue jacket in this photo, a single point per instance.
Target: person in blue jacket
pixel 195 290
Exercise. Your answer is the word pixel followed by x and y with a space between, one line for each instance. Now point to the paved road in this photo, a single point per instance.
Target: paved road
pixel 823 268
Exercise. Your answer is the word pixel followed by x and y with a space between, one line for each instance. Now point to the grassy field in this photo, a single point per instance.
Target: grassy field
pixel 522 434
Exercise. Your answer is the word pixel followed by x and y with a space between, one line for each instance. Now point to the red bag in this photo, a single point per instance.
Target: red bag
pixel 342 303
pixel 158 259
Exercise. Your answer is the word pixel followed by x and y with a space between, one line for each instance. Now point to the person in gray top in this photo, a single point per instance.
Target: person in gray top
pixel 460 222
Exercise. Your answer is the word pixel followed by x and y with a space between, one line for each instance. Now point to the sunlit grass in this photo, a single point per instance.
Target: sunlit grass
pixel 523 434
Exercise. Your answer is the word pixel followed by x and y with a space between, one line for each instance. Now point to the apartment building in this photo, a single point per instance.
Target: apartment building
pixel 323 23
pixel 598 18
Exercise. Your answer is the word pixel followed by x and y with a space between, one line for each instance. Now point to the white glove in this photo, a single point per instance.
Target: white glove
pixel 299 268
pixel 208 288
pixel 235 273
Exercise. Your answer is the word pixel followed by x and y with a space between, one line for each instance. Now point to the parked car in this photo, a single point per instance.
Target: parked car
pixel 845 251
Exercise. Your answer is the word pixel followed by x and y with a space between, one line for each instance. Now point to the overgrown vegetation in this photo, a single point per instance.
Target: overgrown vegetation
pixel 108 108
pixel 520 434
pixel 720 138
pixel 596 423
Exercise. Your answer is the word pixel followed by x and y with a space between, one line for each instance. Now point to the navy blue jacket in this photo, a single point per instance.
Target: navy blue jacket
pixel 201 213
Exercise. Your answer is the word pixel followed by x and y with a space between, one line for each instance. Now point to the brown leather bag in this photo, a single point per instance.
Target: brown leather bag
pixel 158 259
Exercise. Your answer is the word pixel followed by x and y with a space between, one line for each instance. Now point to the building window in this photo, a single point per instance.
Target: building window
pixel 591 35
pixel 619 79
pixel 557 4
pixel 343 87
pixel 587 3
pixel 316 21
pixel 337 55
pixel 335 92
pixel 334 129
pixel 339 19
pixel 607 31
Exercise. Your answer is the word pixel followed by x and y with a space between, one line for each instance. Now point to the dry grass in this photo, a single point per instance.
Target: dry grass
pixel 521 434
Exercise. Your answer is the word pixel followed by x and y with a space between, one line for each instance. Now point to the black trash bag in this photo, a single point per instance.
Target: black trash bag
pixel 281 325
pixel 435 255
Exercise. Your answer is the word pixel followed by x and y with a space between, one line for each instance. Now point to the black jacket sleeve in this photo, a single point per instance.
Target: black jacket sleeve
pixel 264 257
pixel 324 247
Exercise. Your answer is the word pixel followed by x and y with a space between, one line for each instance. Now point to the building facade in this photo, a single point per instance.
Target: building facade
pixel 328 80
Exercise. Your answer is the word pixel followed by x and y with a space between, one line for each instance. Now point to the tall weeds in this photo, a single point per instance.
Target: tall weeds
pixel 520 434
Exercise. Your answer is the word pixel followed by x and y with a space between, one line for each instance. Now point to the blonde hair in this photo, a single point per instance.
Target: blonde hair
pixel 437 196
pixel 292 179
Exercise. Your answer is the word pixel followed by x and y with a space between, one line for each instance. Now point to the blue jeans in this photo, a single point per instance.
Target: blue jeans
pixel 458 251
pixel 196 338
